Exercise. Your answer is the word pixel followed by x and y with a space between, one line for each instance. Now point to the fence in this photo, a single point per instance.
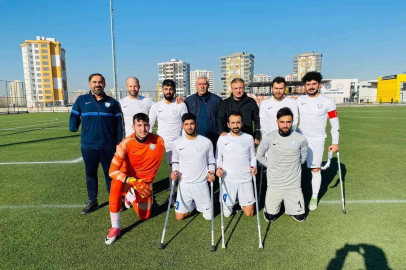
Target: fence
pixel 12 97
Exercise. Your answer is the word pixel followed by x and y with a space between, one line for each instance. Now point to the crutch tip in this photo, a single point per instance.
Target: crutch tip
pixel 344 212
pixel 213 248
pixel 223 246
pixel 261 247
pixel 161 246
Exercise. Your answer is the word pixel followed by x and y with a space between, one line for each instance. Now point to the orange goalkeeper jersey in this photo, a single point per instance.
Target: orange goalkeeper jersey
pixel 136 159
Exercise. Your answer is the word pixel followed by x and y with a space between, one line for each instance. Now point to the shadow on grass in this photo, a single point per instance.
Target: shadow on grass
pixel 41 140
pixel 374 257
pixel 191 217
pixel 235 226
pixel 225 230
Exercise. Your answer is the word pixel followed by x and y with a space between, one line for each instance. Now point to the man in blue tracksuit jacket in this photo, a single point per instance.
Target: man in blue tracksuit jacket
pixel 102 131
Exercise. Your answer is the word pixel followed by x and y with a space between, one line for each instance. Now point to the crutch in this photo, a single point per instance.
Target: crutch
pixel 341 182
pixel 223 245
pixel 260 182
pixel 213 248
pixel 161 245
pixel 254 179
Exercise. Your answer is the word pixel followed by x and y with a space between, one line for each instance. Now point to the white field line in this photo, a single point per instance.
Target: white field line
pixel 62 206
pixel 30 120
pixel 385 118
pixel 46 123
pixel 77 160
pixel 371 111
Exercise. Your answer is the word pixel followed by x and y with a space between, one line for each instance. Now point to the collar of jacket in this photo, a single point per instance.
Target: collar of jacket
pixel 102 99
pixel 244 98
pixel 207 96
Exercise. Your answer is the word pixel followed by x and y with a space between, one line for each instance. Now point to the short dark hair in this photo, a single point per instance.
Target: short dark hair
pixel 96 74
pixel 312 75
pixel 141 117
pixel 169 82
pixel 234 114
pixel 235 80
pixel 279 80
pixel 188 116
pixel 285 111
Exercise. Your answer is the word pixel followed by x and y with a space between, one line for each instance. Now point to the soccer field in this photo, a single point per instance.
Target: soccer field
pixel 43 191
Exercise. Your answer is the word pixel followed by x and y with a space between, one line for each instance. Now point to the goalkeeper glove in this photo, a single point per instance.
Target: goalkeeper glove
pixel 139 185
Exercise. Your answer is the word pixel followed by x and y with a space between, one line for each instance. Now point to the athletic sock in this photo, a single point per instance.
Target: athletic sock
pixel 115 220
pixel 130 197
pixel 316 182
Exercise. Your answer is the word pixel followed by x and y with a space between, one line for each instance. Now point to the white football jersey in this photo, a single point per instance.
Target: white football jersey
pixel 193 159
pixel 313 117
pixel 236 155
pixel 131 107
pixel 169 118
pixel 269 109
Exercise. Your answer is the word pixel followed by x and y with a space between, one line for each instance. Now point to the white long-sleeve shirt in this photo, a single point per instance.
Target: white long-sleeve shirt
pixel 169 120
pixel 313 118
pixel 193 159
pixel 269 109
pixel 236 155
pixel 131 107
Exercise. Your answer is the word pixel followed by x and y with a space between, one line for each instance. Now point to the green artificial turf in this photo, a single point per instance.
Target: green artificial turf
pixel 42 228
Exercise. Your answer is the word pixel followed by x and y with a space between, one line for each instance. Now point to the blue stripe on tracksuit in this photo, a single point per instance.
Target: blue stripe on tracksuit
pixel 102 130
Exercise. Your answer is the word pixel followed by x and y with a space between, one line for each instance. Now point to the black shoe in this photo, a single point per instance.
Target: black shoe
pixel 90 207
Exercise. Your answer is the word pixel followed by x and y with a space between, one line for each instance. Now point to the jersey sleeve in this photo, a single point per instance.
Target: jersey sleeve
pixel 211 162
pixel 263 119
pixel 335 125
pixel 152 116
pixel 184 109
pixel 295 115
pixel 74 119
pixel 262 148
pixel 253 159
pixel 175 157
pixel 117 162
pixel 219 153
pixel 303 150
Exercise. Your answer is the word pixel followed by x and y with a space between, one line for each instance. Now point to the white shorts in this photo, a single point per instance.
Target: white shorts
pixel 243 191
pixel 292 199
pixel 188 192
pixel 314 153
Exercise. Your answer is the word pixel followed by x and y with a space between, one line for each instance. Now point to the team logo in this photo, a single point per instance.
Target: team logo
pixel 293 143
pixel 243 144
pixel 175 112
pixel 327 86
pixel 199 149
pixel 107 104
pixel 141 105
pixel 225 197
pixel 319 106
pixel 152 146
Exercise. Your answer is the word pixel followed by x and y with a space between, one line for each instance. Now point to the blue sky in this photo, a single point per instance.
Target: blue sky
pixel 358 39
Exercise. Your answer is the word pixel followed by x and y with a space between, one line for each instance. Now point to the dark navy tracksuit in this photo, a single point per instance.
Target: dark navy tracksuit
pixel 102 130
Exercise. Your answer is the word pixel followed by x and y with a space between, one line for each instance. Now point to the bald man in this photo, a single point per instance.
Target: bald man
pixel 133 104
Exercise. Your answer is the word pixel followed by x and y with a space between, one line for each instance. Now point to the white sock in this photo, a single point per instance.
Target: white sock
pixel 130 197
pixel 115 220
pixel 316 182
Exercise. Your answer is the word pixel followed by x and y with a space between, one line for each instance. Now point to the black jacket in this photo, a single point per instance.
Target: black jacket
pixel 249 111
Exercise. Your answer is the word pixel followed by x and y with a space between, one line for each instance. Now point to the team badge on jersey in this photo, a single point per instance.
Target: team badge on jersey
pixel 319 106
pixel 243 144
pixel 175 112
pixel 199 149
pixel 152 146
pixel 107 104
pixel 293 143
pixel 141 105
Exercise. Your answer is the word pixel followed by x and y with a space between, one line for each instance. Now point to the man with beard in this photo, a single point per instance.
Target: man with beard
pixel 286 152
pixel 246 106
pixel 193 164
pixel 269 107
pixel 204 105
pixel 133 104
pixel 314 108
pixel 102 130
pixel 169 116
pixel 236 163
pixel 133 170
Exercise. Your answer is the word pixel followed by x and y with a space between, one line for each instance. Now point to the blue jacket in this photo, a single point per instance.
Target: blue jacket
pixel 194 103
pixel 102 124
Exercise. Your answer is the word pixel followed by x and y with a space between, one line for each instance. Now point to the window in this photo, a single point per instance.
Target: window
pixel 47 80
pixel 43 45
pixel 39 80
pixel 40 86
pixel 37 51
pixel 45 57
pixel 44 51
pixel 47 97
pixel 46 68
pixel 37 63
pixel 38 74
pixel 38 69
pixel 40 92
pixel 48 92
pixel 47 86
pixel 34 98
pixel 40 98
pixel 35 45
pixel 46 74
pixel 45 63
pixel 31 69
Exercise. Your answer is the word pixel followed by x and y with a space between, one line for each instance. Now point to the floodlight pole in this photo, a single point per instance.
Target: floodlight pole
pixel 113 50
